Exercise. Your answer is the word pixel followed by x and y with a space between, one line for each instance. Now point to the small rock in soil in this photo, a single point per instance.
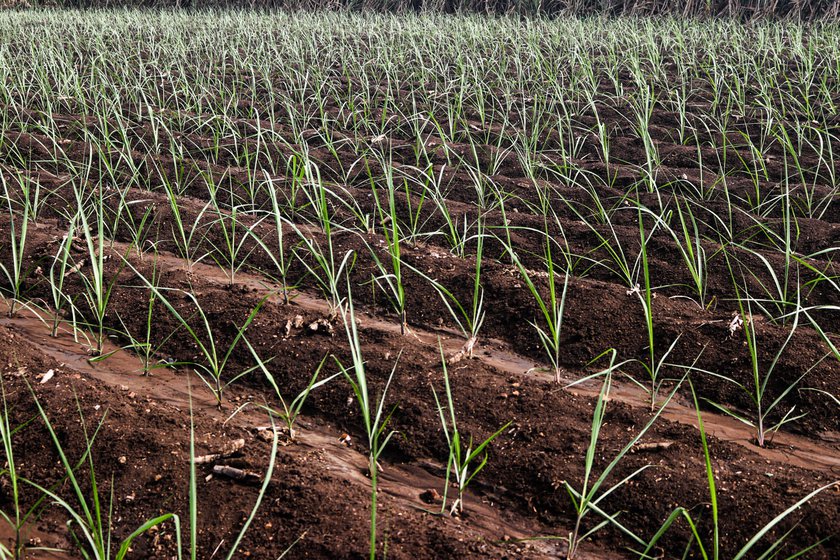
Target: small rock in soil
pixel 431 496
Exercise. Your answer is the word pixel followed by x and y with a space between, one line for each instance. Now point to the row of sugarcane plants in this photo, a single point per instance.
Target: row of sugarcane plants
pixel 308 246
pixel 814 10
pixel 277 145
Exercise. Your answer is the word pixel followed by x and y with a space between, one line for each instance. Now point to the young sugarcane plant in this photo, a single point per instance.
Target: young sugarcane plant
pixel 469 318
pixel 711 550
pixel 462 463
pixel 145 347
pixel 456 234
pixel 139 229
pixel 600 221
pixel 651 366
pixel 415 190
pixel 391 281
pixel 587 498
pixel 688 241
pixel 327 269
pixel 97 288
pixel 231 254
pixel 58 273
pixel 291 410
pixel 374 418
pixel 18 228
pixel 215 361
pixel 757 387
pixel 278 255
pixel 19 518
pixel 185 237
pixel 552 307
pixel 296 172
pixel 88 516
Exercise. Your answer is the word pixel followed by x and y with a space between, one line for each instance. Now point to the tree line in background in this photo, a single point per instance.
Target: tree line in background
pixel 806 10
